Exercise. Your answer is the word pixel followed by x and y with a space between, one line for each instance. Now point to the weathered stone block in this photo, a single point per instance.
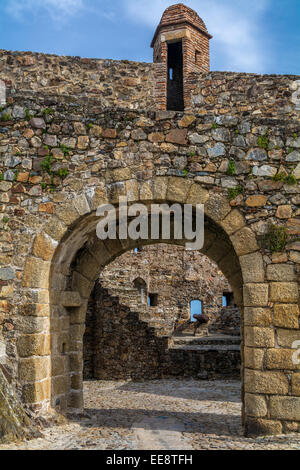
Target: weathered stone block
pixel 273 383
pixel 253 358
pixel 256 201
pixel 286 315
pixel 44 246
pixel 259 337
pixel 280 359
pixel 60 385
pixel 217 207
pixel 75 400
pixel 36 273
pixel 177 136
pixel 281 272
pixel 55 228
pixel 244 241
pixel 67 213
pixel 58 365
pixel 70 299
pixel 178 189
pixel 37 392
pixel 33 345
pixel 255 405
pixel 285 292
pixel 197 195
pixel 160 188
pixel 286 338
pixel 296 384
pixel 256 295
pixel 233 221
pixel 252 267
pixel 287 408
pixel 262 427
pixel 34 369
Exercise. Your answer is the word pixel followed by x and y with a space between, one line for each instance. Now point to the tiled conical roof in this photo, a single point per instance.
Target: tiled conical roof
pixel 181 14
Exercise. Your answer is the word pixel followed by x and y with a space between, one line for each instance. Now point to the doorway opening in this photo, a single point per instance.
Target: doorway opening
pixel 175 100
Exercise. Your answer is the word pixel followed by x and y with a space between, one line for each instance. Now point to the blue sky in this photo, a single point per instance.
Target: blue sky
pixel 261 36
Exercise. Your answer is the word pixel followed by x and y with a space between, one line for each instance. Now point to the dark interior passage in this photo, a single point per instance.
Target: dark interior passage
pixel 175 100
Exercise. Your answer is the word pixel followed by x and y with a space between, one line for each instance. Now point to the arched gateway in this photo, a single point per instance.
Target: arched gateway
pixel 66 149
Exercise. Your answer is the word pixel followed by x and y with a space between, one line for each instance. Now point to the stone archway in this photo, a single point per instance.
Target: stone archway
pixel 65 263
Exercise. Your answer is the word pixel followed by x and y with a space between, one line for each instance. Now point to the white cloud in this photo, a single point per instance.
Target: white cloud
pixel 236 25
pixel 58 10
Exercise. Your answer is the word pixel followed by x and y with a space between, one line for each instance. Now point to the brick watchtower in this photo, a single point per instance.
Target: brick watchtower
pixel 180 47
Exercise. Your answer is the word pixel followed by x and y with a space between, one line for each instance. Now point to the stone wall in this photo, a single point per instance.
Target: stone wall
pixel 177 277
pixel 115 84
pixel 236 151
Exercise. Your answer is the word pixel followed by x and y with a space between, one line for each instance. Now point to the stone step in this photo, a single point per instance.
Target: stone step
pixel 206 340
pixel 206 348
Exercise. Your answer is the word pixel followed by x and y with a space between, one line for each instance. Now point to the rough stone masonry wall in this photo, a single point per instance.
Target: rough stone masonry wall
pixel 177 277
pixel 116 84
pixel 150 156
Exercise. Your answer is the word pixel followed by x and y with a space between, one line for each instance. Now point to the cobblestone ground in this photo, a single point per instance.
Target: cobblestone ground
pixel 192 414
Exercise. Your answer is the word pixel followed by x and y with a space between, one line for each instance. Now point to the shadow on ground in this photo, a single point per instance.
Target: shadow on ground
pixel 206 423
pixel 208 390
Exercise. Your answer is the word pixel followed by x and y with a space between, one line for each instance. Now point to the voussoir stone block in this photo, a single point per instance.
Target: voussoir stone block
pixel 244 241
pixel 197 195
pixel 55 228
pixel 217 207
pixel 178 189
pixel 67 213
pixel 233 221
pixel 160 188
pixel 146 191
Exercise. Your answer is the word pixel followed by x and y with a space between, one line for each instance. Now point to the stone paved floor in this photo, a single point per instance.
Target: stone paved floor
pixel 158 414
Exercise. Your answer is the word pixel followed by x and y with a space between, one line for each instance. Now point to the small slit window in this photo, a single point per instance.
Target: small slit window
pixel 198 58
